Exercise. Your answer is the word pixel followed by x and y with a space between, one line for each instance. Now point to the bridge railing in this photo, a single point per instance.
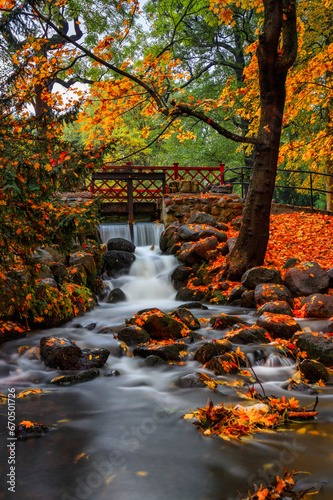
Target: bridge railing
pixel 239 176
pixel 204 175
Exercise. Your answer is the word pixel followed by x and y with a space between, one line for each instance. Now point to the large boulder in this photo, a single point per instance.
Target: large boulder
pixel 316 345
pixel 278 325
pixel 195 232
pixel 318 305
pixel 86 260
pixel 78 275
pixel 257 275
pixel 63 354
pixel 170 237
pixel 117 262
pixel 120 244
pixel 307 278
pixel 180 276
pixel 42 256
pixel 158 325
pixel 191 253
pixel 270 292
pixel 202 218
pixel 60 272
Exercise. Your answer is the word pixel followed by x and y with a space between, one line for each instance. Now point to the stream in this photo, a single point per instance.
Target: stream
pixel 123 437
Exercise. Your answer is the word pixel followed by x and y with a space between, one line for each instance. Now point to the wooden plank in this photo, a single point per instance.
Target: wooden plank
pixel 122 176
pixel 121 208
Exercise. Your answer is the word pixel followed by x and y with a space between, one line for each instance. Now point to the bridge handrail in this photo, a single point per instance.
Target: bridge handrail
pixel 245 184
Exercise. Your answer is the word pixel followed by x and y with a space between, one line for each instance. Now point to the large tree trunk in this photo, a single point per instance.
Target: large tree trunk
pixel 276 53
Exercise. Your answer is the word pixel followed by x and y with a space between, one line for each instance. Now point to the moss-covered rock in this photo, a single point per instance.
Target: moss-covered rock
pixel 211 349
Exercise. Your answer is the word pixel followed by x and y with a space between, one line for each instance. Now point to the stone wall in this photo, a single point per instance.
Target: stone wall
pixel 180 206
pixel 72 198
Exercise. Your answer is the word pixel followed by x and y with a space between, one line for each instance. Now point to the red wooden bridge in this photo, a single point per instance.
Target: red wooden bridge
pixel 130 188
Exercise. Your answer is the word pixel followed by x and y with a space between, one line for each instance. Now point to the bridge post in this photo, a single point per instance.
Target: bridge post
pixel 130 204
pixel 221 173
pixel 175 170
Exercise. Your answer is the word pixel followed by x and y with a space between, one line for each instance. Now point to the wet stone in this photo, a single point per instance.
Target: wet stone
pixel 306 279
pixel 313 371
pixel 186 317
pixel 210 349
pixel 194 305
pixel 77 378
pixel 153 361
pixel 222 321
pixel 62 354
pixel 278 325
pixel 190 381
pixel 171 352
pixel 251 335
pixel 301 387
pixel 316 345
pixel 276 307
pixel 133 335
pixel 259 275
pixel 271 292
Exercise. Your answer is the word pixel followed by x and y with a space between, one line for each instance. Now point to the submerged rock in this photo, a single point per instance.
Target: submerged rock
pixel 77 378
pixel 116 295
pixel 153 361
pixel 190 381
pixel 169 352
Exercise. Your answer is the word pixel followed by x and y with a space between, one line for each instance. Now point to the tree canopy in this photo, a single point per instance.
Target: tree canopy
pixel 192 70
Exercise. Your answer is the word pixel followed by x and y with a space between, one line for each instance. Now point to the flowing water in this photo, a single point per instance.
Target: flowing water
pixel 123 437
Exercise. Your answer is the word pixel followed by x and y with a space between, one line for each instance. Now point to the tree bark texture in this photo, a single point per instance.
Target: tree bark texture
pixel 276 53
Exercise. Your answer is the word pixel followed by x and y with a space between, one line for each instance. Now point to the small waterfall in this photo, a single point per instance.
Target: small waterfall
pixel 149 276
pixel 144 234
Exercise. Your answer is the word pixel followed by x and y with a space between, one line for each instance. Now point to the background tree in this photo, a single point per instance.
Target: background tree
pixel 155 82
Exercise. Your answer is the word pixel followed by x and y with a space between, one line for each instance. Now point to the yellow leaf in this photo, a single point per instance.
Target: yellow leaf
pixel 142 473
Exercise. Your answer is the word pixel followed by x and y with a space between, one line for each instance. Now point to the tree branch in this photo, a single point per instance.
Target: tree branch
pixel 183 108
